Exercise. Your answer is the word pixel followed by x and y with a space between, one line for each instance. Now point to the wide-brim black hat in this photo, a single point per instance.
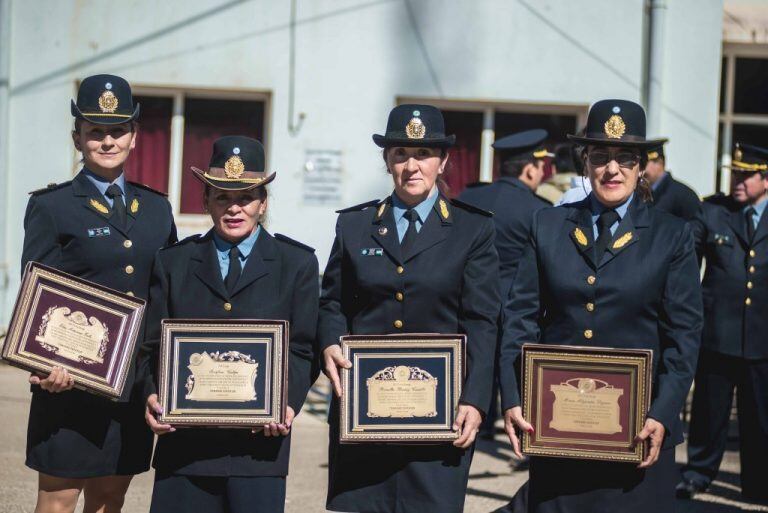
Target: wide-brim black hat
pixel 237 164
pixel 105 100
pixel 616 123
pixel 415 125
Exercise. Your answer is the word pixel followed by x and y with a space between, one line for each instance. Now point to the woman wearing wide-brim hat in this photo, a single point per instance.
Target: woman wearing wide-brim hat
pixel 238 270
pixel 106 229
pixel 434 270
pixel 609 271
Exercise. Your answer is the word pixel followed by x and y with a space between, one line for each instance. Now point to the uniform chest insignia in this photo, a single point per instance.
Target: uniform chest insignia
pixel 580 237
pixel 99 232
pixel 134 206
pixel 615 127
pixel 108 102
pixel 382 208
pixel 372 252
pixel 622 241
pixel 444 210
pixel 383 230
pixel 234 167
pixel 99 206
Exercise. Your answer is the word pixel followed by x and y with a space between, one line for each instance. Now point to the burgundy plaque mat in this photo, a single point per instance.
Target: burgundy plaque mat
pixel 562 382
pixel 66 321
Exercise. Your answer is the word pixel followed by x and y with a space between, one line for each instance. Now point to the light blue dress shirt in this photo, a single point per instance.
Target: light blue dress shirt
pixel 244 247
pixel 102 184
pixel 422 209
pixel 598 208
pixel 759 209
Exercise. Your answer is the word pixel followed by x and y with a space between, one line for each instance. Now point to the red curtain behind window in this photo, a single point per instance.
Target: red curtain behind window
pixel 205 121
pixel 464 161
pixel 149 162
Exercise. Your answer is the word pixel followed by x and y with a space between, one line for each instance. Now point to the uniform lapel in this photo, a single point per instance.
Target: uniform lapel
pixel 761 231
pixel 581 231
pixel 384 231
pixel 133 205
pixel 94 201
pixel 627 233
pixel 207 267
pixel 737 221
pixel 257 265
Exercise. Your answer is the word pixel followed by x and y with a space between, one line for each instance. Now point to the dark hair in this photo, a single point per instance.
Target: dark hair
pixel 564 159
pixel 513 166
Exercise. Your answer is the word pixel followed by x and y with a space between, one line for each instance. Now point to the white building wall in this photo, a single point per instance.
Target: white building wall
pixel 354 58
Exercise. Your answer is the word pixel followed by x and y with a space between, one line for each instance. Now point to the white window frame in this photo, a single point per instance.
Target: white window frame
pixel 489 110
pixel 732 51
pixel 188 224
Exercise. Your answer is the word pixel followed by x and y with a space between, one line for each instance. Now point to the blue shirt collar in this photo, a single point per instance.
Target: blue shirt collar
pixel 759 208
pixel 102 183
pixel 657 183
pixel 598 208
pixel 422 209
pixel 245 246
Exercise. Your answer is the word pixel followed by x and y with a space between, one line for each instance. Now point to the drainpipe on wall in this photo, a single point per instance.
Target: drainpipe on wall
pixel 5 73
pixel 655 70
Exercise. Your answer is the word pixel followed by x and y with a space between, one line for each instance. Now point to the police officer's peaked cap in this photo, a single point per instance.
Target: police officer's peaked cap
pixel 527 144
pixel 105 100
pixel 237 164
pixel 748 158
pixel 415 125
pixel 616 123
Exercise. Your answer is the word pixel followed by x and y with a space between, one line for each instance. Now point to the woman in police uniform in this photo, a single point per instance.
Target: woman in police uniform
pixel 237 270
pixel 437 272
pixel 103 228
pixel 609 271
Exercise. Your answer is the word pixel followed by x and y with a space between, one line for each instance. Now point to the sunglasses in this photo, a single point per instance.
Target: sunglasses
pixel 625 159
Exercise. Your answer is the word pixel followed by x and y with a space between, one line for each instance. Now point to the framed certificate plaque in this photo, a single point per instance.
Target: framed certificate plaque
pixel 585 402
pixel 401 388
pixel 65 321
pixel 223 373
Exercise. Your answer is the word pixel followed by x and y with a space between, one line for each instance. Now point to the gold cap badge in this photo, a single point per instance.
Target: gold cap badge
pixel 108 102
pixel 415 129
pixel 615 127
pixel 234 167
pixel 737 154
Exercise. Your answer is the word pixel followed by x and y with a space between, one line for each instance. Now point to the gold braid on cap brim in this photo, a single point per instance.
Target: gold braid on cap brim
pixel 243 180
pixel 744 166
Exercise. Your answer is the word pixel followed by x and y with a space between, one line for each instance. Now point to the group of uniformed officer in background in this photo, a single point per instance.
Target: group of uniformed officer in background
pixel 101 227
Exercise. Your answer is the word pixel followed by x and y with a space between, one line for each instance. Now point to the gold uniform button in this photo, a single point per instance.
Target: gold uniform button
pixel 751 269
pixel 400 269
pixel 588 334
pixel 227 306
pixel 398 324
pixel 719 242
pixel 752 253
pixel 130 293
pixel 590 307
pixel 591 279
pixel 128 269
pixel 748 301
pixel 399 296
pixel 127 244
pixel 750 285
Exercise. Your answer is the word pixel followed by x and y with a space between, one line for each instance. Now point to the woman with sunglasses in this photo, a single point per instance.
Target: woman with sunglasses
pixel 608 271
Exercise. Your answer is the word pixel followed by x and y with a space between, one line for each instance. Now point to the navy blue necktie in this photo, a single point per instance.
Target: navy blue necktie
pixel 233 273
pixel 604 234
pixel 410 234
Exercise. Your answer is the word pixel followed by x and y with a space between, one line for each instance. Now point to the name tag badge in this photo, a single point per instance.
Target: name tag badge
pixel 372 252
pixel 99 232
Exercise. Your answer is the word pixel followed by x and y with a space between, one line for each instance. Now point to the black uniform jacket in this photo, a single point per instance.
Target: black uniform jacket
pixel 676 198
pixel 513 204
pixel 645 294
pixel 735 282
pixel 279 281
pixel 71 227
pixel 448 284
